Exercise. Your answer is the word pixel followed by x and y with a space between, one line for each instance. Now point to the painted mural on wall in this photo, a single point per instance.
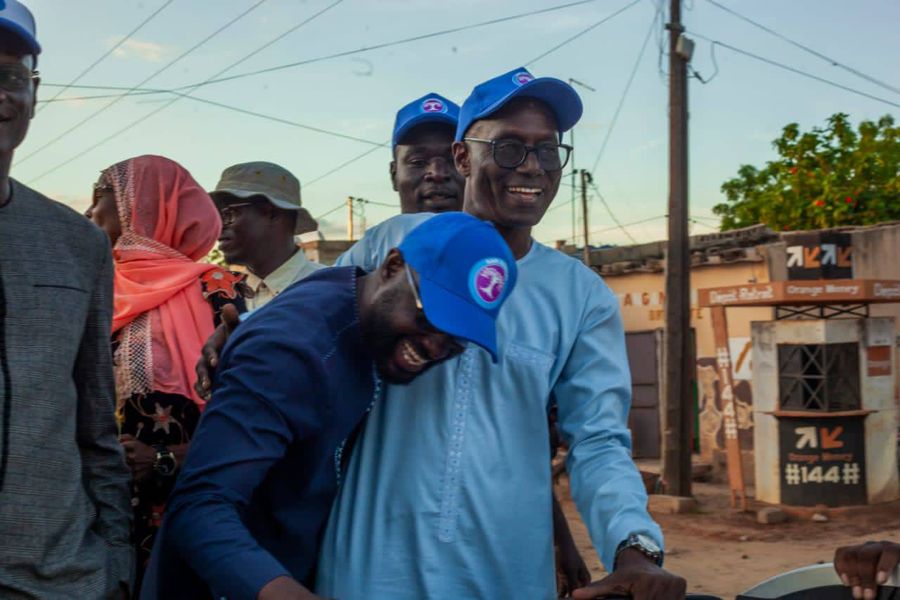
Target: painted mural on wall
pixel 711 402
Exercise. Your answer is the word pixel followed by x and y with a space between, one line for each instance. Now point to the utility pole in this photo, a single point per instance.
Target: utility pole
pixel 677 360
pixel 349 217
pixel 581 84
pixel 585 180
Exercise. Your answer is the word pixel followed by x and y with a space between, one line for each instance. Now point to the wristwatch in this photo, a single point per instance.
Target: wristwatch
pixel 644 544
pixel 164 464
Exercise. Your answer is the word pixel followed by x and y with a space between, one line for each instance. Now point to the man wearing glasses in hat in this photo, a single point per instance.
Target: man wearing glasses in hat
pixel 448 492
pixel 64 498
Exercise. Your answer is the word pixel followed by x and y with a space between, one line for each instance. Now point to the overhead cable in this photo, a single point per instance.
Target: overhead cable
pixel 833 61
pixel 103 56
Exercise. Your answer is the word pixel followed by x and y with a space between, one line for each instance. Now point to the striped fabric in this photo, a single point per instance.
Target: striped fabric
pixel 64 505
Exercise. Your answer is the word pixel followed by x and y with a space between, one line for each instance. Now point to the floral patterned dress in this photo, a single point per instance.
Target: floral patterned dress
pixel 170 420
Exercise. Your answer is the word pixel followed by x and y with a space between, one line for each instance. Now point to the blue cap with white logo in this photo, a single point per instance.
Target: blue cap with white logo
pixel 17 21
pixel 492 95
pixel 466 272
pixel 430 108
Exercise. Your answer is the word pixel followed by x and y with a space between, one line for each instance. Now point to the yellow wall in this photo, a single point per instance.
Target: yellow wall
pixel 641 294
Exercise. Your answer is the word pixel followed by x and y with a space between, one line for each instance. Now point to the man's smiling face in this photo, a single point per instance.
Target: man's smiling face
pixel 423 173
pixel 16 106
pixel 517 197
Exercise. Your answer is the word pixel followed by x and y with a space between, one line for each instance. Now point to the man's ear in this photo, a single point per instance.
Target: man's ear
pixel 461 158
pixel 393 170
pixel 392 265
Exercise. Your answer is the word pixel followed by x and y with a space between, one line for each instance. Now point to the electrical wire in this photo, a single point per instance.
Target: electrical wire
pixel 103 56
pixel 610 212
pixel 634 69
pixel 795 70
pixel 607 229
pixel 362 49
pixel 179 95
pixel 833 61
pixel 118 98
pixel 582 32
pixel 343 165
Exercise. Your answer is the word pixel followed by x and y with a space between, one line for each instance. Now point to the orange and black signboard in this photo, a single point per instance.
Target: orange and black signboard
pixel 822 461
pixel 803 293
pixel 819 255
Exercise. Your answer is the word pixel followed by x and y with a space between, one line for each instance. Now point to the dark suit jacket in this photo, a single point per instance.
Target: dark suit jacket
pixel 64 499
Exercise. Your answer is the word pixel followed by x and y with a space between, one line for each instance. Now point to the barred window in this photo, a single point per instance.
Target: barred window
pixel 819 377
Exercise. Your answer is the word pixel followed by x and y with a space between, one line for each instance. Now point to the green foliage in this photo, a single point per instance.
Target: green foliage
pixel 827 177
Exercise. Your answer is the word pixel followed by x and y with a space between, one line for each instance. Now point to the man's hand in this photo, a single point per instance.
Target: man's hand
pixel 139 456
pixel 866 566
pixel 285 588
pixel 573 572
pixel 636 576
pixel 209 355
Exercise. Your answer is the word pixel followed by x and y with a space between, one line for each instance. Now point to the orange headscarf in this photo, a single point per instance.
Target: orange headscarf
pixel 168 224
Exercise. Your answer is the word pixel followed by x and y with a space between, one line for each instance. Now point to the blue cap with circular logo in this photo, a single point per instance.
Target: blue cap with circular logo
pixel 17 20
pixel 430 108
pixel 492 95
pixel 466 272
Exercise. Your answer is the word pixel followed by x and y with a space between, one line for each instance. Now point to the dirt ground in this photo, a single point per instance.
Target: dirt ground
pixel 724 552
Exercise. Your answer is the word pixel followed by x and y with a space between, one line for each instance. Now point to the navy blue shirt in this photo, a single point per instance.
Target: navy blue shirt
pixel 263 468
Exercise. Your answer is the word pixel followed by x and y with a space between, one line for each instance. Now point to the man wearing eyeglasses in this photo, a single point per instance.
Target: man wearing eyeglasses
pixel 268 456
pixel 64 498
pixel 261 213
pixel 448 492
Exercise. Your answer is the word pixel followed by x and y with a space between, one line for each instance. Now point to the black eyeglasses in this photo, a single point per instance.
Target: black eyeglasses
pixel 509 154
pixel 230 213
pixel 15 78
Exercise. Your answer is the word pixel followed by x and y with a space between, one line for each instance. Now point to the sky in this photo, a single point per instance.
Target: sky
pixel 733 118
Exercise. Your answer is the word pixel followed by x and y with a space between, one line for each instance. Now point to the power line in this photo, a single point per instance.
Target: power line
pixel 607 229
pixel 610 212
pixel 103 56
pixel 634 69
pixel 343 165
pixel 833 61
pixel 344 53
pixel 178 96
pixel 795 70
pixel 582 32
pixel 259 115
pixel 154 74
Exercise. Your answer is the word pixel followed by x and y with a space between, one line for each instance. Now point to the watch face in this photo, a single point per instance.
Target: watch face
pixel 165 463
pixel 648 543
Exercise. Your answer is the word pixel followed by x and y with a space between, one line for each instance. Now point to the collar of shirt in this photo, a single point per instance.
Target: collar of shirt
pixel 293 269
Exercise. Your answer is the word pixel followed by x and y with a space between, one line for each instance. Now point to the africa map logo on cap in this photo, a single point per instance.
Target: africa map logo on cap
pixel 522 77
pixel 434 105
pixel 487 280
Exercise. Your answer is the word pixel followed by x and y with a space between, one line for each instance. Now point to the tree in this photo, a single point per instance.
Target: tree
pixel 828 177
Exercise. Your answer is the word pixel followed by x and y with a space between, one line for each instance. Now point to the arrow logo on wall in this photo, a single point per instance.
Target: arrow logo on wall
pixel 807 437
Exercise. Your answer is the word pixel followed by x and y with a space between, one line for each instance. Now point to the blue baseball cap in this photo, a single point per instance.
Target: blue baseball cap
pixel 492 95
pixel 430 108
pixel 17 20
pixel 466 272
